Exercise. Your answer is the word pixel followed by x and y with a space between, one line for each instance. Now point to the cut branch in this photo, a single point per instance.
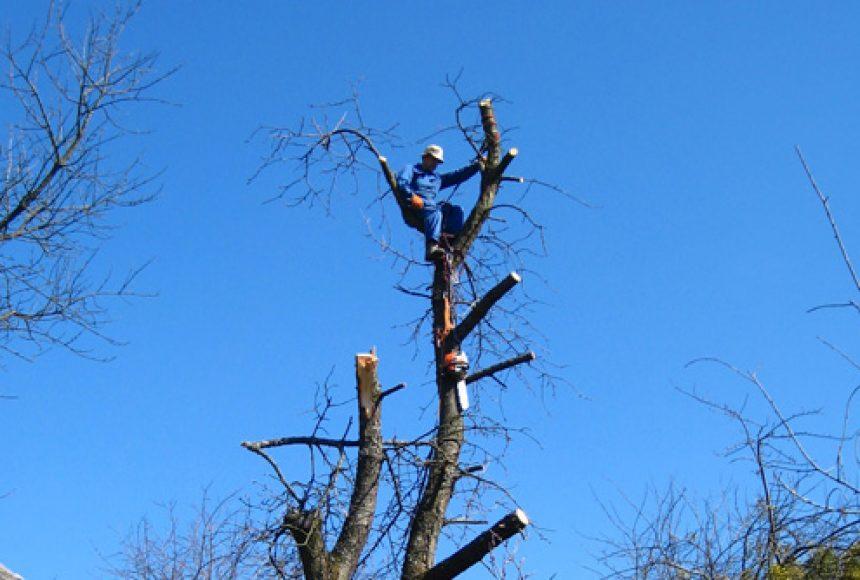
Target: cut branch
pixel 492 137
pixel 506 160
pixel 480 310
pixel 300 440
pixel 498 367
pixel 474 551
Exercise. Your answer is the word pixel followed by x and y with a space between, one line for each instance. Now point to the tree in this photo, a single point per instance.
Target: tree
pixel 219 542
pixel 61 182
pixel 364 504
pixel 803 520
pixel 373 505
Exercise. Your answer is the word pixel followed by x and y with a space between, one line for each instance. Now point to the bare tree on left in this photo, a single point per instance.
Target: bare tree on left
pixel 65 97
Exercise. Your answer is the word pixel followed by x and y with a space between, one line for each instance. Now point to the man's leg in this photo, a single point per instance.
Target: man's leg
pixel 432 230
pixel 452 218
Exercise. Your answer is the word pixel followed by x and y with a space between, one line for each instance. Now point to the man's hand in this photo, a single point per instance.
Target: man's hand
pixel 416 202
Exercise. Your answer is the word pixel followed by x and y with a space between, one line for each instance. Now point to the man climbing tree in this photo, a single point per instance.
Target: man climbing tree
pixel 418 185
pixel 373 506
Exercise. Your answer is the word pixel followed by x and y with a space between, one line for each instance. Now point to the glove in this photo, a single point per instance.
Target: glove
pixel 416 202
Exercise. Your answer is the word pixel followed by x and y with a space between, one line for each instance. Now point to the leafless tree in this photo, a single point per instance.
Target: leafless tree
pixel 802 521
pixel 219 542
pixel 364 505
pixel 61 179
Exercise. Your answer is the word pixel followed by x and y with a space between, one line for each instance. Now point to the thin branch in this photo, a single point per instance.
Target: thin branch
pixel 825 202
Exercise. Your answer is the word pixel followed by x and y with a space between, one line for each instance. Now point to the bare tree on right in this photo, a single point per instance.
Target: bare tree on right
pixel 803 521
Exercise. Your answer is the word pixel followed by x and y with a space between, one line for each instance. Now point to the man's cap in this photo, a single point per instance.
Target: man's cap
pixel 435 152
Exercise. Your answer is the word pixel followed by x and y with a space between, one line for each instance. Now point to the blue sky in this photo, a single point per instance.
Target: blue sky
pixel 677 120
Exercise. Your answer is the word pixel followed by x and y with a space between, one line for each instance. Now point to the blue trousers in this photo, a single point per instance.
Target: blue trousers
pixel 443 218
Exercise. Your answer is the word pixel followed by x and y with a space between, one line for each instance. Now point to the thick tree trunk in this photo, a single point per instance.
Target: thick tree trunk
pixel 306 526
pixel 430 513
pixel 362 504
pixel 444 465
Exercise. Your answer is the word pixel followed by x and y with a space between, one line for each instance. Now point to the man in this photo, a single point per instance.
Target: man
pixel 419 184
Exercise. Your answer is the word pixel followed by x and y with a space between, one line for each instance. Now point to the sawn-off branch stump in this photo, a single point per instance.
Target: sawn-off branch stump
pixel 474 551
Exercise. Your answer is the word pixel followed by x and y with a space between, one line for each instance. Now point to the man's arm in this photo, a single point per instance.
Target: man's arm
pixel 404 188
pixel 459 176
pixel 404 181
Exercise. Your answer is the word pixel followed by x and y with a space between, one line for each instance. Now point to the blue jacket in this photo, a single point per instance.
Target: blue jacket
pixel 425 184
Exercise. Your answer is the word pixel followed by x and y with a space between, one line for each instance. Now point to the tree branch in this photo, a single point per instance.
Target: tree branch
pixel 490 179
pixel 474 551
pixel 826 203
pixel 498 367
pixel 480 310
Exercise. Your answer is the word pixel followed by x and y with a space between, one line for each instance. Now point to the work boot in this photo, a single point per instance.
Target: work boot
pixel 434 252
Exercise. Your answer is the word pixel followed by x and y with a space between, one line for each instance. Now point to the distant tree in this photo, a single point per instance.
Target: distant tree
pixel 62 178
pixel 219 542
pixel 802 522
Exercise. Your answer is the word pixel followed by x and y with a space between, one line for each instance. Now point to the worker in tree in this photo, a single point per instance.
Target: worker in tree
pixel 418 186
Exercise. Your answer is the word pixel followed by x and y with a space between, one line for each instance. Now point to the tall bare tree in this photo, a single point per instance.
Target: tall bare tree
pixel 375 506
pixel 62 179
pixel 347 500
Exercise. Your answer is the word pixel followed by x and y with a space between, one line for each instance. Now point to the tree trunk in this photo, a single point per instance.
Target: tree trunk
pixel 430 513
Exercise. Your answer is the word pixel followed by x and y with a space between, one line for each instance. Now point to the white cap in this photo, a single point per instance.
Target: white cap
pixel 435 152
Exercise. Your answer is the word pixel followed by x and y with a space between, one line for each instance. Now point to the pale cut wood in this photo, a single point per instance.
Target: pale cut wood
pixel 365 374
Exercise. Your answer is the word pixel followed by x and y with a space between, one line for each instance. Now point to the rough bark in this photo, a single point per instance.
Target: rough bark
pixel 306 526
pixel 491 177
pixel 306 529
pixel 362 504
pixel 443 472
pixel 448 442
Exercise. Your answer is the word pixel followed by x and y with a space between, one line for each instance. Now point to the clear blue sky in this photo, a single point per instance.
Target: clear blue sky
pixel 677 119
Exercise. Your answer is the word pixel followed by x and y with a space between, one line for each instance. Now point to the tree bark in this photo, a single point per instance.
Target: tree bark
pixel 306 530
pixel 362 504
pixel 498 367
pixel 429 516
pixel 442 476
pixel 491 177
pixel 305 526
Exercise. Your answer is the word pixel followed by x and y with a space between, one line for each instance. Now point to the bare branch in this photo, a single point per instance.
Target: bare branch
pixel 825 202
